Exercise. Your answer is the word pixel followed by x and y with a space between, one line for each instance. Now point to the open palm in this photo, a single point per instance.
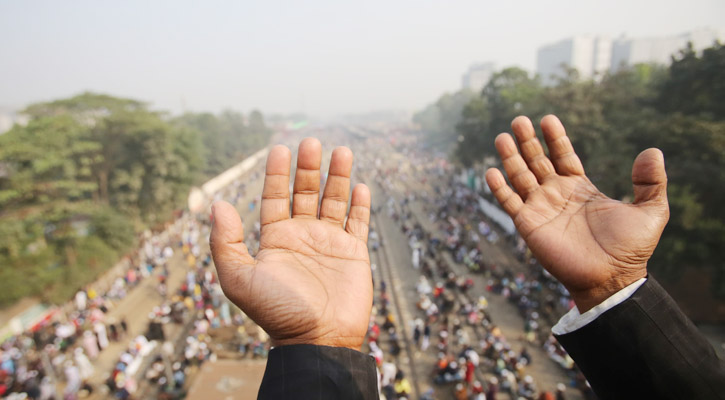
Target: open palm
pixel 311 281
pixel 594 245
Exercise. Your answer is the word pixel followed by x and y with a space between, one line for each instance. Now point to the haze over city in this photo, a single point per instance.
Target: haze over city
pixel 427 200
pixel 322 58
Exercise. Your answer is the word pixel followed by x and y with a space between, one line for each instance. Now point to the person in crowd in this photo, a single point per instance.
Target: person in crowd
pixel 402 386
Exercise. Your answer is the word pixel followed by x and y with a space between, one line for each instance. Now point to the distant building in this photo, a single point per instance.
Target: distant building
pixel 594 55
pixel 590 55
pixel 478 76
pixel 659 50
pixel 9 118
pixel 6 122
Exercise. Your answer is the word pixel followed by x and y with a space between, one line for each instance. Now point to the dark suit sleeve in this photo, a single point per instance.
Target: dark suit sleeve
pixel 646 348
pixel 318 372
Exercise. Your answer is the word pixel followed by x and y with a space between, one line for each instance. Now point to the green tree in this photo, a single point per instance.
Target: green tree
pixel 88 172
pixel 208 129
pixel 228 138
pixel 695 84
pixel 694 148
pixel 49 159
pixel 75 182
pixel 438 121
pixel 476 136
pixel 509 93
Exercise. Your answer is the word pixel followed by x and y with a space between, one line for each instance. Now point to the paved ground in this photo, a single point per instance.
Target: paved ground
pixel 135 308
pixel 227 380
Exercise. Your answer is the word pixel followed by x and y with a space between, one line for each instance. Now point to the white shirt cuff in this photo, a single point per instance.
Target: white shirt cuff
pixel 572 320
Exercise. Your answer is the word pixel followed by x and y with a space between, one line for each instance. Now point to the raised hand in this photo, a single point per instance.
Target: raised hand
pixel 592 244
pixel 311 281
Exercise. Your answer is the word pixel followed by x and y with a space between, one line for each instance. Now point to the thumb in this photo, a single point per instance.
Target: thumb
pixel 227 241
pixel 649 178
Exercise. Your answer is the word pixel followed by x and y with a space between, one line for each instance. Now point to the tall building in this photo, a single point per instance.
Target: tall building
pixel 588 54
pixel 478 76
pixel 659 50
pixel 594 55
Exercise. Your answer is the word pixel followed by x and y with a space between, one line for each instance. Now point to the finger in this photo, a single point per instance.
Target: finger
pixel 307 179
pixel 561 152
pixel 358 221
pixel 275 195
pixel 227 240
pixel 521 177
pixel 510 201
pixel 531 148
pixel 649 178
pixel 337 188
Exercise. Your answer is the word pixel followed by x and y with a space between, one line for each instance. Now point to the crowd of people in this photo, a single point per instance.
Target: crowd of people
pixel 202 315
pixel 58 358
pixel 198 308
pixel 445 231
pixel 55 357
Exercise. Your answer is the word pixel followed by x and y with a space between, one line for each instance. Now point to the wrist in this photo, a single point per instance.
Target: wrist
pixel 352 343
pixel 589 298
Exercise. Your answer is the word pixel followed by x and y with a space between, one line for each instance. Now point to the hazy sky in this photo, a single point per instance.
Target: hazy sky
pixel 319 57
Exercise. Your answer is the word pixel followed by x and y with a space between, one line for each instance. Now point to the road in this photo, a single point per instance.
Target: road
pixel 546 373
